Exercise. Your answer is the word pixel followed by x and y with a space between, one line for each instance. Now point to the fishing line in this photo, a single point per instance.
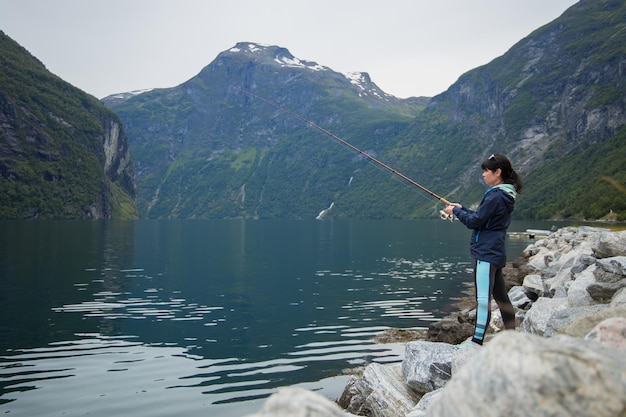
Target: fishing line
pixel 354 148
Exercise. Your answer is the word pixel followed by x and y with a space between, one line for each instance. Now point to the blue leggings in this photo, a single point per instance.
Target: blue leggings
pixel 489 281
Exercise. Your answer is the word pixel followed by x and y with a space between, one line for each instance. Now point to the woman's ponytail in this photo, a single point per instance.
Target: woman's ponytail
pixel 516 180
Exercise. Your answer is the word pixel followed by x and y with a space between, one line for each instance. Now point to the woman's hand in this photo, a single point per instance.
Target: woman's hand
pixel 449 208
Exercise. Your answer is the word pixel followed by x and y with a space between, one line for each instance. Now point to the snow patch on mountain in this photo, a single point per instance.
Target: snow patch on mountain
pixel 248 47
pixel 296 63
pixel 281 57
pixel 367 88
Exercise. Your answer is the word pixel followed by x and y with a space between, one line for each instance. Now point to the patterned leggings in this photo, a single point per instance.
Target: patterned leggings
pixel 489 281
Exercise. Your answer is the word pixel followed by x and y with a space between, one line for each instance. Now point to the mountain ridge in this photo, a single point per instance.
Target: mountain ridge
pixel 218 119
pixel 556 93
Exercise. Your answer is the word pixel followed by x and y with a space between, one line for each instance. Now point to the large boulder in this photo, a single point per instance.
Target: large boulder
pixel 379 392
pixel 422 407
pixel 520 375
pixel 299 402
pixel 427 366
pixel 611 244
pixel 577 294
pixel 521 298
pixel 537 318
pixel 586 323
pixel 562 319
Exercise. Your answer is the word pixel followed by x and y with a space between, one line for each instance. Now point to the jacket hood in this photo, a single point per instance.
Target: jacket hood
pixel 508 189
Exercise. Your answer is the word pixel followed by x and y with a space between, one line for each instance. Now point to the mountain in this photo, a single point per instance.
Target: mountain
pixel 62 153
pixel 211 148
pixel 554 103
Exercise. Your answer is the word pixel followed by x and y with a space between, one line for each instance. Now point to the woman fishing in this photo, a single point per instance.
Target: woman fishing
pixel 489 224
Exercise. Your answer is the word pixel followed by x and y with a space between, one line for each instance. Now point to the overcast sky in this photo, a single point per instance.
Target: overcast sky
pixel 409 47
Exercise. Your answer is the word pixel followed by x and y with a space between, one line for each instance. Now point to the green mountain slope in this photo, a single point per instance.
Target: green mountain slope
pixel 555 103
pixel 210 148
pixel 62 153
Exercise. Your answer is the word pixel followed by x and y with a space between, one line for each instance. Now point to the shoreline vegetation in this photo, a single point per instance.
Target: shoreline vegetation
pixel 566 356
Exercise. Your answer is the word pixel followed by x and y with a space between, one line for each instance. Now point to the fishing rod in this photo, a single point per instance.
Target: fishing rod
pixel 442 213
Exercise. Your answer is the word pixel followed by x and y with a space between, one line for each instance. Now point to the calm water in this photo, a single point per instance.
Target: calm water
pixel 163 318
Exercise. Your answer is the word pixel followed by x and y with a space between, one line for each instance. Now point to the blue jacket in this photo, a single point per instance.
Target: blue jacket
pixel 489 223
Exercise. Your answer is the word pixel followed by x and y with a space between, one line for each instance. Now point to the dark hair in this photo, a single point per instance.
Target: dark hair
pixel 509 176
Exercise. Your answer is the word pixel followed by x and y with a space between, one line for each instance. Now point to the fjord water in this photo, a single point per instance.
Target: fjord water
pixel 162 318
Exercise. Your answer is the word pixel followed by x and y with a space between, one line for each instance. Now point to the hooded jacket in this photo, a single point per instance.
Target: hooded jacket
pixel 489 223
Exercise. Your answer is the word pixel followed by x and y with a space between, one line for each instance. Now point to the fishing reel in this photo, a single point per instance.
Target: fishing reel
pixel 445 216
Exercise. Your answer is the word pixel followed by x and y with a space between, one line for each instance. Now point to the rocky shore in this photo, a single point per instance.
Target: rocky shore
pixel 567 356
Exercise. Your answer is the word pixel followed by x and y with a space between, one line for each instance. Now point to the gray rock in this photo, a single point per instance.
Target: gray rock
pixel 536 319
pixel 534 284
pixel 299 402
pixel 563 318
pixel 520 297
pixel 619 298
pixel 531 250
pixel 379 392
pixel 577 294
pixel 520 375
pixel 427 366
pixel 611 244
pixel 541 259
pixel 463 355
pixel 615 266
pixel 422 406
pixel 603 293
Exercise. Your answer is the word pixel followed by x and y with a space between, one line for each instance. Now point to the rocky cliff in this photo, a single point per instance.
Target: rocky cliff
pixel 555 103
pixel 62 153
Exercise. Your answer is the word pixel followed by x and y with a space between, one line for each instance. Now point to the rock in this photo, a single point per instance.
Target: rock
pixel 449 330
pixel 603 293
pixel 422 406
pixel 577 294
pixel 563 318
pixel 518 374
pixel 531 250
pixel 558 284
pixel 611 244
pixel 536 319
pixel 379 392
pixel 541 260
pixel 611 269
pixel 400 335
pixel 521 298
pixel 298 402
pixel 534 284
pixel 611 331
pixel 463 355
pixel 427 365
pixel 584 325
pixel 619 298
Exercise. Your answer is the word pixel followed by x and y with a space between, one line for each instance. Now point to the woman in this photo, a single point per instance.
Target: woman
pixel 489 223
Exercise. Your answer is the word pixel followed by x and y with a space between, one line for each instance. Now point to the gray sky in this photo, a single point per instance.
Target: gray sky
pixel 409 47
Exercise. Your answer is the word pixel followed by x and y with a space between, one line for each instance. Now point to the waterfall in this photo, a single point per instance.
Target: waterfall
pixel 324 212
